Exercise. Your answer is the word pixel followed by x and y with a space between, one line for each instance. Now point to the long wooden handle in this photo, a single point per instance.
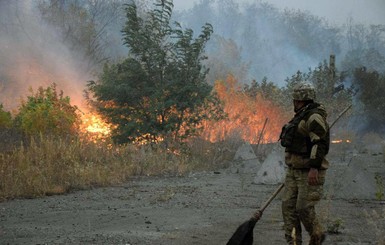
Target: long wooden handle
pixel 272 197
pixel 340 115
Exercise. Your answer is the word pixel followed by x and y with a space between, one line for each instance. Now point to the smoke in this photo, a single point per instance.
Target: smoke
pixel 33 55
pixel 276 44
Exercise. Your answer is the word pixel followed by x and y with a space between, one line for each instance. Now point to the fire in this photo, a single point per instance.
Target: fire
pixel 94 127
pixel 339 141
pixel 255 120
pixel 146 139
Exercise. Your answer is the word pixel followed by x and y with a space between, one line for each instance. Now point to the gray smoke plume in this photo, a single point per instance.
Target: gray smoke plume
pixel 32 55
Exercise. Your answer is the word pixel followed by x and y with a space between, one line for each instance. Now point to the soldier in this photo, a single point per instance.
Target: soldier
pixel 306 140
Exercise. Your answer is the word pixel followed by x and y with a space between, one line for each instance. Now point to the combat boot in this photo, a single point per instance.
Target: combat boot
pixel 316 239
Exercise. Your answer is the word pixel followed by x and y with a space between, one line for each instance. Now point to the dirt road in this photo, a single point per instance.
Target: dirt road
pixel 202 208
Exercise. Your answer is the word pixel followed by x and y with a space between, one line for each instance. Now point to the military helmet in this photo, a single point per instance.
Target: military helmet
pixel 304 91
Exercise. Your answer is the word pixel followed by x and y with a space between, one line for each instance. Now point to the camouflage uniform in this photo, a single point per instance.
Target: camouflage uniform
pixel 305 147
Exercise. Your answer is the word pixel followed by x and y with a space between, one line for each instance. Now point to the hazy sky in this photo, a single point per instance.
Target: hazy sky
pixel 335 11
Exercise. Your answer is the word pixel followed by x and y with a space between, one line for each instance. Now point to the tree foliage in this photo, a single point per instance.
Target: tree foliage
pixel 47 112
pixel 159 90
pixel 370 85
pixel 267 89
pixel 5 118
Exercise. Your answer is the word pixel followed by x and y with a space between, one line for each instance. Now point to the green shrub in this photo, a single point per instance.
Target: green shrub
pixel 5 118
pixel 335 226
pixel 47 112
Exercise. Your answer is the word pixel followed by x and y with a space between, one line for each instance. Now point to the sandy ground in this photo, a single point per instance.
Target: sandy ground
pixel 202 208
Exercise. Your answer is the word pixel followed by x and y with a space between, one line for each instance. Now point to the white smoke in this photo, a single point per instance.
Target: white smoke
pixel 33 55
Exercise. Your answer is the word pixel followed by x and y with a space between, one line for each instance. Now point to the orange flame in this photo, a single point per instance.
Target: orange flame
pixel 255 120
pixel 339 141
pixel 94 127
pixel 94 124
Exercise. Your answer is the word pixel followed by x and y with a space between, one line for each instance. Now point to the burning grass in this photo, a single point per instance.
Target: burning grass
pixel 255 118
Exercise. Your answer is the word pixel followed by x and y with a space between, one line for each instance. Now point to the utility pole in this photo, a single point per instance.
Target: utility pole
pixel 332 75
pixel 332 66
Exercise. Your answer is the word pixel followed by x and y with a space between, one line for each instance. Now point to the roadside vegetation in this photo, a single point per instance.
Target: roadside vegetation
pixel 48 165
pixel 163 111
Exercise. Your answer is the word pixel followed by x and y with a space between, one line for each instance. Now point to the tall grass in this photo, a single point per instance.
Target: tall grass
pixel 52 165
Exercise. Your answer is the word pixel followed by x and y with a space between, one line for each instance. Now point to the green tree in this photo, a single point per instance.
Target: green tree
pixel 268 90
pixel 370 85
pixel 47 112
pixel 5 118
pixel 159 90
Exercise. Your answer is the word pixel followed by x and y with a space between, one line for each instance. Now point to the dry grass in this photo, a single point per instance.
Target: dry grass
pixel 54 165
pixel 49 165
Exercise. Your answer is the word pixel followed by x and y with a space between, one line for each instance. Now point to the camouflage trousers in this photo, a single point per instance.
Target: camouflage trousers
pixel 298 205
